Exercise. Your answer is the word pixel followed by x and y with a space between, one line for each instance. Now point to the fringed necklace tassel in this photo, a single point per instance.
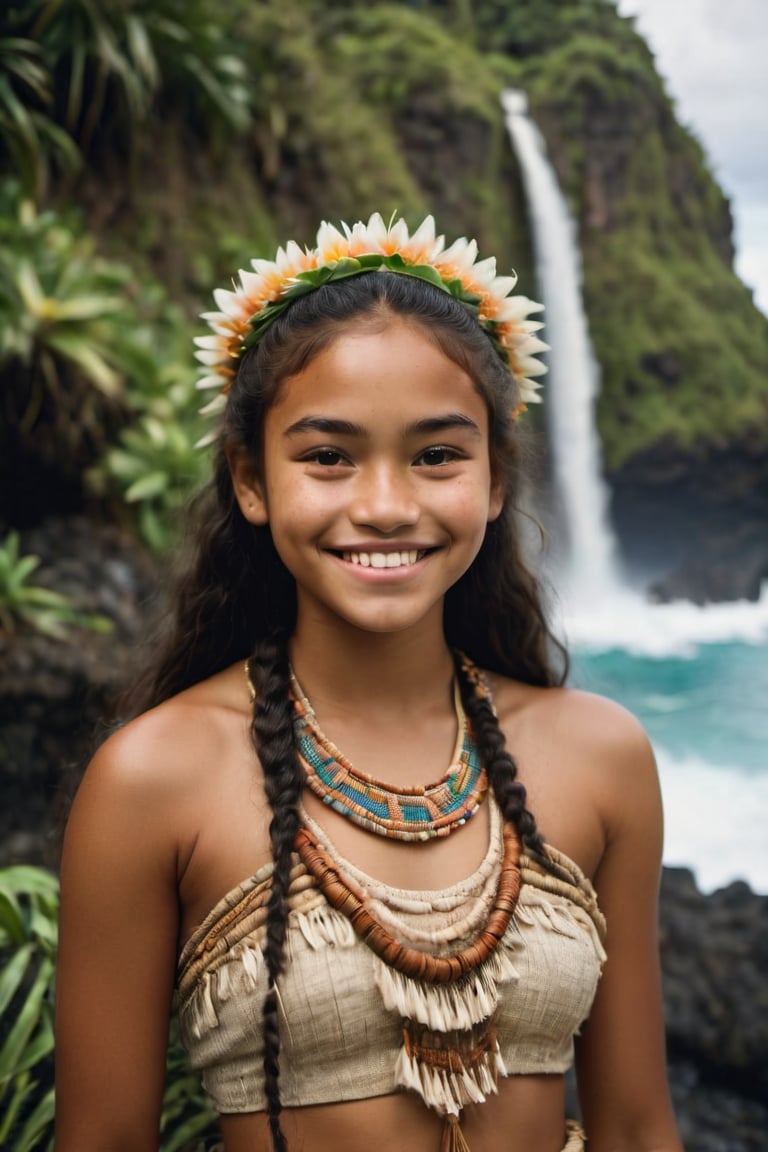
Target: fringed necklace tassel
pixel 453 1139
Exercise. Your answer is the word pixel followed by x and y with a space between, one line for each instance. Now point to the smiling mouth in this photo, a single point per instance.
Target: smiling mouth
pixel 384 559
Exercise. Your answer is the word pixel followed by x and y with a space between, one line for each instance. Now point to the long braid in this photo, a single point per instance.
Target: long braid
pixel 272 732
pixel 500 766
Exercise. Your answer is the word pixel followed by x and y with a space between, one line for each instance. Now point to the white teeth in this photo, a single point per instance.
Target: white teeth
pixel 382 559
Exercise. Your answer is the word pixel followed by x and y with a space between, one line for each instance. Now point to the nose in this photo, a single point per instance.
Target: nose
pixel 384 499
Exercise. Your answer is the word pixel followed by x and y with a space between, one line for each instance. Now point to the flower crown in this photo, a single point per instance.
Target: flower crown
pixel 263 294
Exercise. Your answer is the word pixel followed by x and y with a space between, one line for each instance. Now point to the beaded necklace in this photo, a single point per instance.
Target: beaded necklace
pixel 446 1001
pixel 418 813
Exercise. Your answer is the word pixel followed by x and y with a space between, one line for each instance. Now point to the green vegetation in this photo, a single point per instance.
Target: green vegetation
pixel 683 352
pixel 27 604
pixel 67 344
pixel 157 463
pixel 697 348
pixel 96 368
pixel 29 906
pixel 62 308
pixel 29 901
pixel 109 65
pixel 30 140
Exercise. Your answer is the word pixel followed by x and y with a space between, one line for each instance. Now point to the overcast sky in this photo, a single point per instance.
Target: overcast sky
pixel 713 55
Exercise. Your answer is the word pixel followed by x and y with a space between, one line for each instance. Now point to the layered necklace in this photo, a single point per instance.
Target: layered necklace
pixel 446 998
pixel 418 813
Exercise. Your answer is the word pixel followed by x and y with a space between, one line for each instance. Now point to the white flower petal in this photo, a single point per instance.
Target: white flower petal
pixel 223 328
pixel 502 286
pixel 330 242
pixel 377 232
pixel 206 382
pixel 253 282
pixel 517 308
pixel 209 358
pixel 207 341
pixel 266 268
pixel 530 345
pixel 293 259
pixel 218 404
pixel 425 233
pixel 484 272
pixel 462 253
pixel 530 367
pixel 398 234
pixel 529 392
pixel 227 302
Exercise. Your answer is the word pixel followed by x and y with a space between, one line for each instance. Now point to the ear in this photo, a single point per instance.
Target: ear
pixel 248 487
pixel 496 499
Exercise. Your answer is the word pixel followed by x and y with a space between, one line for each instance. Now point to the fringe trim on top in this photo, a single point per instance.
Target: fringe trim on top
pixel 442 1007
pixel 200 1014
pixel 569 920
pixel 323 927
pixel 450 1070
pixel 217 987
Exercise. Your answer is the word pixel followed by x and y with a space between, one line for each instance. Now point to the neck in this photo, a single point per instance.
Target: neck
pixel 373 672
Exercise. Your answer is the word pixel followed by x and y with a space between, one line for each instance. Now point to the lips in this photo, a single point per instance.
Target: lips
pixel 404 559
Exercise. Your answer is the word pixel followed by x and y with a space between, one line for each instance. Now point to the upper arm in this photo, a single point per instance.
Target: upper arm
pixel 118 933
pixel 621 1053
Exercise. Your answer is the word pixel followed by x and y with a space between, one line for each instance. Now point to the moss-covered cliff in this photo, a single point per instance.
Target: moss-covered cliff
pixel 275 115
pixel 684 353
pixel 395 106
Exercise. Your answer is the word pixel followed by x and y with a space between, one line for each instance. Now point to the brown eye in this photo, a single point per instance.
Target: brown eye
pixel 326 456
pixel 436 456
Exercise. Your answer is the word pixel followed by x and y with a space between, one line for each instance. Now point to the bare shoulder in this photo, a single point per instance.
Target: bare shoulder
pixel 176 736
pixel 152 771
pixel 586 762
pixel 584 723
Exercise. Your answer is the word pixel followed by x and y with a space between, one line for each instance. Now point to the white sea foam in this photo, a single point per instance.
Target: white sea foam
pixel 715 821
pixel 626 621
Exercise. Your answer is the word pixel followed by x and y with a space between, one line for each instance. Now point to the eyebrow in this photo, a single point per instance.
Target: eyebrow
pixel 429 426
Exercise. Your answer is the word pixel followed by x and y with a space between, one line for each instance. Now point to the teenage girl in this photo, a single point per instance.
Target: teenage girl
pixel 359 825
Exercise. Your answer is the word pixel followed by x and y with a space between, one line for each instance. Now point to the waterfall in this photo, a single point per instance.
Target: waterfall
pixel 589 570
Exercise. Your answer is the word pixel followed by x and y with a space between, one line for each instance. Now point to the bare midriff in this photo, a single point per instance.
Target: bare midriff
pixel 525 1116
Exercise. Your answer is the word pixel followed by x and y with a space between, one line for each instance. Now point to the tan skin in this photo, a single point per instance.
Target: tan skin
pixel 171 813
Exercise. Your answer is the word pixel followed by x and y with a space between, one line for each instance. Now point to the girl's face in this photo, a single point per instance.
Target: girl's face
pixel 376 480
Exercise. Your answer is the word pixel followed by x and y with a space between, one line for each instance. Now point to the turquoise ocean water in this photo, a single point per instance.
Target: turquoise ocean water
pixel 698 681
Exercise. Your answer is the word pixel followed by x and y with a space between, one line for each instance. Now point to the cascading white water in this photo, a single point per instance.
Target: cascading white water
pixel 643 652
pixel 590 568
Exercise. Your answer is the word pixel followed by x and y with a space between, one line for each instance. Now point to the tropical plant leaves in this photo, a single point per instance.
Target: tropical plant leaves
pixel 29 900
pixel 28 935
pixel 48 612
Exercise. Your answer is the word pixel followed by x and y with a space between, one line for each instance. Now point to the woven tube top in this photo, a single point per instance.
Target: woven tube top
pixel 339 1039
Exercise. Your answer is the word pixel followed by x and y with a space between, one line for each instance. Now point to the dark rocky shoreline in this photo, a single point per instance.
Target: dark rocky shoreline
pixel 54 694
pixel 714 952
